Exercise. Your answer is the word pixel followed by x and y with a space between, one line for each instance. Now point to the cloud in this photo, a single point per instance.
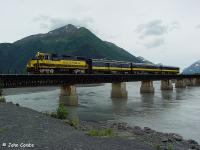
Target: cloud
pixel 197 26
pixel 153 28
pixel 152 34
pixel 41 18
pixel 154 43
pixel 174 25
pixel 51 23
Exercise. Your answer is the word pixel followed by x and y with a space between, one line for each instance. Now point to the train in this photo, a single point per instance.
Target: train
pixel 52 63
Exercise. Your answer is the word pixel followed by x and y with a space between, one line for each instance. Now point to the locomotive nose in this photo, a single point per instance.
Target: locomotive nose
pixel 28 64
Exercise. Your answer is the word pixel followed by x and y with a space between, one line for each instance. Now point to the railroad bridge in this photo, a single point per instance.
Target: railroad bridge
pixel 67 83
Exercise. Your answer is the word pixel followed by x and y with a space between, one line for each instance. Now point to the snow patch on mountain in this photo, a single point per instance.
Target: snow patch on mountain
pixel 193 69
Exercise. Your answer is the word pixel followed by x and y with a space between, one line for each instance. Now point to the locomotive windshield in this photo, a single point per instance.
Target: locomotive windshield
pixel 43 56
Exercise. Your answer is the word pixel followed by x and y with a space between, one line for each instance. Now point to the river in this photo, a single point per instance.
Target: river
pixel 166 111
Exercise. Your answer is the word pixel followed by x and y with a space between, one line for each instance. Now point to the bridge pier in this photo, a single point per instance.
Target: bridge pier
pixel 146 87
pixel 68 95
pixel 119 90
pixel 192 82
pixel 166 85
pixel 181 83
pixel 198 82
pixel 187 82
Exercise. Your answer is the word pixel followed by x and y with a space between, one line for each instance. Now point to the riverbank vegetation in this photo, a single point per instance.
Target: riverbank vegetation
pixel 160 147
pixel 101 132
pixel 3 130
pixel 2 100
pixel 74 123
pixel 61 113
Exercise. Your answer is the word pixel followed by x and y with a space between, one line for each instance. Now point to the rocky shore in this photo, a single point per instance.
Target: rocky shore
pixel 158 140
pixel 23 128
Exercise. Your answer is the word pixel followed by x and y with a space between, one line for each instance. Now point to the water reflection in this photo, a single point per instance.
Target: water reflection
pixel 167 95
pixel 147 98
pixel 180 93
pixel 119 106
pixel 147 103
pixel 73 113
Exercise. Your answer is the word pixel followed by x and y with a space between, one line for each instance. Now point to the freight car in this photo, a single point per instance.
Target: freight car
pixel 46 63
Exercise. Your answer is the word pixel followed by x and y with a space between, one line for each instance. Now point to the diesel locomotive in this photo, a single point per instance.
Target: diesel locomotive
pixel 50 63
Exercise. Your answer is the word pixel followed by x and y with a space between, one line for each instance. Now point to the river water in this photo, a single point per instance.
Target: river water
pixel 166 111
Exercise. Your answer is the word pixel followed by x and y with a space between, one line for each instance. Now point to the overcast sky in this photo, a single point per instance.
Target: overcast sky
pixel 162 31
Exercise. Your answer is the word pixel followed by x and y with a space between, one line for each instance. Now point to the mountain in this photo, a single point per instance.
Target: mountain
pixel 69 39
pixel 143 60
pixel 193 69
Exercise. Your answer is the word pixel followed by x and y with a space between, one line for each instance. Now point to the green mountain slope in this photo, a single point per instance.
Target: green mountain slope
pixel 69 39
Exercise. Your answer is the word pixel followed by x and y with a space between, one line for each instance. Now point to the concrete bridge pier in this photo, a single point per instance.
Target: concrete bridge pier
pixel 181 83
pixel 68 95
pixel 119 90
pixel 166 85
pixel 198 82
pixel 146 87
pixel 187 82
pixel 191 82
pixel 194 81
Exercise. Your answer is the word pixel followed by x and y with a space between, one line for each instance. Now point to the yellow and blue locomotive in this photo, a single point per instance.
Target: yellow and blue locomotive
pixel 47 63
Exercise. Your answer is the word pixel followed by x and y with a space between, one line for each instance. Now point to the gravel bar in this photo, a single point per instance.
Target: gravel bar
pixel 24 128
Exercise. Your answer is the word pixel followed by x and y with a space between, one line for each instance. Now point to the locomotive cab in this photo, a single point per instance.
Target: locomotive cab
pixel 43 56
pixel 33 65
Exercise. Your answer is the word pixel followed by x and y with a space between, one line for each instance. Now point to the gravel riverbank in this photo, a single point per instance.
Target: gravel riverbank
pixel 24 128
pixel 158 140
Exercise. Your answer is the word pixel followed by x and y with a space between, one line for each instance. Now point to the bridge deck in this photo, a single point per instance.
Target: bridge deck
pixel 21 80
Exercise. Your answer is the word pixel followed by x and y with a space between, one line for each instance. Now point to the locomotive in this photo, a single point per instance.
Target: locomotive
pixel 50 63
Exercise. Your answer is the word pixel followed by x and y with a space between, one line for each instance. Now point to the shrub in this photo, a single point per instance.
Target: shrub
pixel 158 147
pixel 62 112
pixel 2 100
pixel 93 132
pixel 3 130
pixel 101 132
pixel 170 147
pixel 74 122
pixel 53 114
